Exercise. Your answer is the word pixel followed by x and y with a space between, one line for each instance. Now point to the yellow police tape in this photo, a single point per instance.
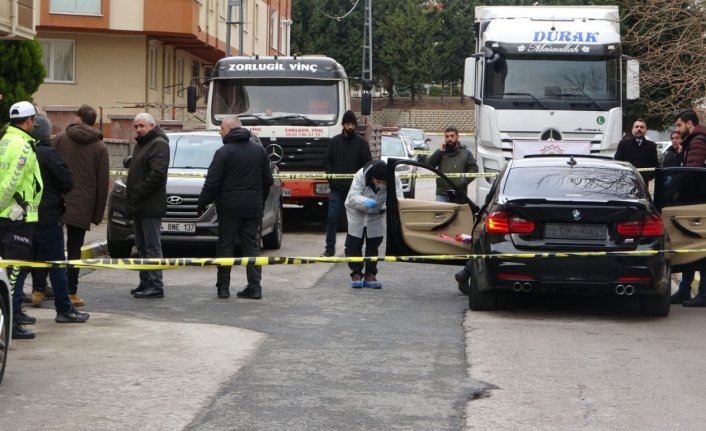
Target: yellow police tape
pixel 320 175
pixel 175 263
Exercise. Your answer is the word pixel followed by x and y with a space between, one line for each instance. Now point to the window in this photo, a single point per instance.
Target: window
pixel 78 7
pixel 244 18
pixel 153 67
pixel 180 74
pixel 168 73
pixel 282 35
pixel 274 24
pixel 58 58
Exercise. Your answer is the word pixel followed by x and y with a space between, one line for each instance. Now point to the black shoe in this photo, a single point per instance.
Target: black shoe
pixel 328 253
pixel 250 293
pixel 73 316
pixel 20 333
pixel 26 299
pixel 679 297
pixel 697 301
pixel 150 292
pixel 137 289
pixel 462 278
pixel 24 319
pixel 223 292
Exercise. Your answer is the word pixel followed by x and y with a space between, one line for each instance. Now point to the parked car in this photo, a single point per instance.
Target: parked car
pixel 420 140
pixel 555 204
pixel 5 320
pixel 397 146
pixel 191 154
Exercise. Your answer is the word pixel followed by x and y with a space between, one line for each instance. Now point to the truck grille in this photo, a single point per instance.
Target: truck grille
pixel 301 154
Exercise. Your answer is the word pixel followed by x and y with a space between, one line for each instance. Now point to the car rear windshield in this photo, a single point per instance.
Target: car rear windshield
pixel 588 182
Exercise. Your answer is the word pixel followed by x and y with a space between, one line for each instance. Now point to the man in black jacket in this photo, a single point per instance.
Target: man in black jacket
pixel 147 198
pixel 48 241
pixel 238 181
pixel 346 154
pixel 638 150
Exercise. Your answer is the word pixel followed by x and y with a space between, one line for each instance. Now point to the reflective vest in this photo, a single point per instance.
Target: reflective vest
pixel 19 173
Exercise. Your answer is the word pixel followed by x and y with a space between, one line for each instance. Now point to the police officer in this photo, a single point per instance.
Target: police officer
pixel 20 193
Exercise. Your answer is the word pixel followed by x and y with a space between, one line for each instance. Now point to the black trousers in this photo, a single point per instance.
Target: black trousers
pixel 354 247
pixel 74 241
pixel 245 233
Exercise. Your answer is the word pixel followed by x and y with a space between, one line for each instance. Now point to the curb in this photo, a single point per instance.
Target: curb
pixel 92 251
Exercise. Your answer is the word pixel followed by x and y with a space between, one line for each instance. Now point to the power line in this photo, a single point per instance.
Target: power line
pixel 338 18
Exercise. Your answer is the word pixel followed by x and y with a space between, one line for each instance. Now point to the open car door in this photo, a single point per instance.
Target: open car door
pixel 423 226
pixel 680 195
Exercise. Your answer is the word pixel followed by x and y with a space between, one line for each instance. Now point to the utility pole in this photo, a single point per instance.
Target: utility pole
pixel 367 75
pixel 229 22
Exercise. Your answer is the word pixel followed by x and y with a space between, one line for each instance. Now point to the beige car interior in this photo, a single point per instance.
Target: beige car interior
pixel 430 227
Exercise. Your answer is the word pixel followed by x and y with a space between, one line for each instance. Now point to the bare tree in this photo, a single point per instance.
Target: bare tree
pixel 668 38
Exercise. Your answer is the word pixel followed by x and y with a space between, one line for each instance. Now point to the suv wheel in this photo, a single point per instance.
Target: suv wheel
pixel 273 240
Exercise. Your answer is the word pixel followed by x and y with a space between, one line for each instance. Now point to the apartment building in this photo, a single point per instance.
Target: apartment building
pixel 17 19
pixel 128 56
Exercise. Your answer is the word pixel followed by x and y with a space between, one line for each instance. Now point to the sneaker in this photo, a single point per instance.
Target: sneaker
pixel 697 301
pixel 328 253
pixel 371 282
pixel 356 281
pixel 37 298
pixel 245 293
pixel 23 318
pixel 679 297
pixel 20 333
pixel 76 300
pixel 223 292
pixel 139 288
pixel 72 316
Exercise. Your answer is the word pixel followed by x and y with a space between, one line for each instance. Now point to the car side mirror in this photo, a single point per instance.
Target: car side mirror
pixel 126 162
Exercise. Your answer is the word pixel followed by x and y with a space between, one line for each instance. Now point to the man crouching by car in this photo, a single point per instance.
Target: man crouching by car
pixel 238 180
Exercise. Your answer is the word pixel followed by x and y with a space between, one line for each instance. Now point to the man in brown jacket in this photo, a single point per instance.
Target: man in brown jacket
pixel 84 151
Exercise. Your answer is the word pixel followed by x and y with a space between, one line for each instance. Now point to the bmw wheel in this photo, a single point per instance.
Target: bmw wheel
pixel 481 300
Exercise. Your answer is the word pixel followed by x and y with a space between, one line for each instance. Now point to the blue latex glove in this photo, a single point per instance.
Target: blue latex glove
pixel 370 203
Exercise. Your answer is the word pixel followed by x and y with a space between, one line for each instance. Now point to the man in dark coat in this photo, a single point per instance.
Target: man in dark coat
pixel 674 155
pixel 452 157
pixel 84 151
pixel 639 150
pixel 48 241
pixel 694 155
pixel 238 181
pixel 146 187
pixel 346 154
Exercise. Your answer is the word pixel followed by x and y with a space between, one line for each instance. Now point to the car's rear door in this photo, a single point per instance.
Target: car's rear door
pixel 680 194
pixel 423 226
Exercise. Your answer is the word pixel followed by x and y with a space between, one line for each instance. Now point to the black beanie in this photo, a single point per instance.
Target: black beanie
pixel 379 170
pixel 349 117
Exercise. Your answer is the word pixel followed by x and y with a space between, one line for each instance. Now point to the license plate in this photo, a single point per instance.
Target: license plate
pixel 286 192
pixel 575 231
pixel 178 227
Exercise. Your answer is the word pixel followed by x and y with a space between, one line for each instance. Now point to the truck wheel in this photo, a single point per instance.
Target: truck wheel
pixel 273 240
pixel 4 334
pixel 119 249
pixel 481 300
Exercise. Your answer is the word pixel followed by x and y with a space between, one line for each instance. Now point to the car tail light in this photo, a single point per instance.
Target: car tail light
pixel 650 226
pixel 498 222
pixel 633 279
pixel 520 225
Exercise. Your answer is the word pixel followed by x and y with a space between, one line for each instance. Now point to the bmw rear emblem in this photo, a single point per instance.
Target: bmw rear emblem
pixel 576 214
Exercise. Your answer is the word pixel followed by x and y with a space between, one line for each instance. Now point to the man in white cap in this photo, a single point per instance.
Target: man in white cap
pixel 20 192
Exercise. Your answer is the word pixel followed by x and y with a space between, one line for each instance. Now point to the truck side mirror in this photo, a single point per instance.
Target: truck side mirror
pixel 366 104
pixel 469 78
pixel 632 80
pixel 191 99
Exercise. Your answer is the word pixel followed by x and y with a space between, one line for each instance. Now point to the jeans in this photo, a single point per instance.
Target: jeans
pixel 687 277
pixel 74 242
pixel 48 244
pixel 336 206
pixel 149 245
pixel 354 247
pixel 230 230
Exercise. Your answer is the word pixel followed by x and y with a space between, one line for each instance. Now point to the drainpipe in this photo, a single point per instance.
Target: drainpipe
pixel 15 17
pixel 147 74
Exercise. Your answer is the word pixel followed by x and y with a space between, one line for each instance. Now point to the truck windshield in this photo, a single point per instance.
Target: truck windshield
pixel 553 83
pixel 276 101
